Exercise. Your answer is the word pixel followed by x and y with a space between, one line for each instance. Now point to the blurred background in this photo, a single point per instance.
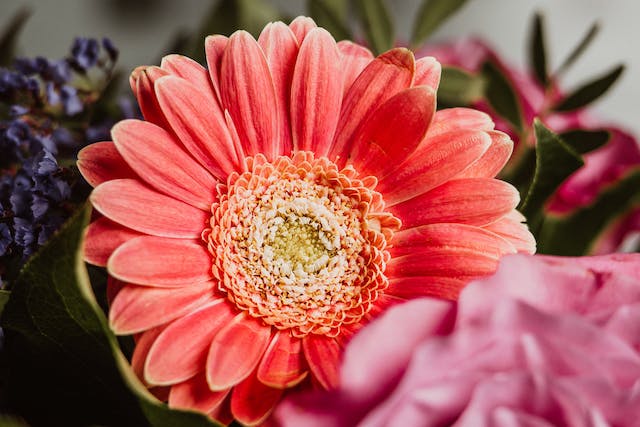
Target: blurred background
pixel 144 29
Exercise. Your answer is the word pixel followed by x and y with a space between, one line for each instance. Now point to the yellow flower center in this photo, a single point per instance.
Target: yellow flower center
pixel 300 244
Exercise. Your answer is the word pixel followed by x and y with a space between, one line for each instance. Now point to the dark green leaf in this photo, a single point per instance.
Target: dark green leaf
pixel 377 24
pixel 555 161
pixel 430 16
pixel 579 49
pixel 590 91
pixel 459 87
pixel 575 234
pixel 537 51
pixel 501 95
pixel 10 34
pixel 66 368
pixel 4 297
pixel 584 141
pixel 332 16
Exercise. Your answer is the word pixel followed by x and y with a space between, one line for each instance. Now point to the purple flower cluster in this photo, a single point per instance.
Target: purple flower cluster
pixel 47 113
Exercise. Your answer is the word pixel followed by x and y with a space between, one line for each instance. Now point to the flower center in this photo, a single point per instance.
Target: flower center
pixel 299 243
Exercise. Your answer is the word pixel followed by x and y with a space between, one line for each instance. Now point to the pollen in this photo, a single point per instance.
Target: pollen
pixel 299 243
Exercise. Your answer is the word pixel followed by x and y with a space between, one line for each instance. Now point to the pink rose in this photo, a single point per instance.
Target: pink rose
pixel 603 167
pixel 561 348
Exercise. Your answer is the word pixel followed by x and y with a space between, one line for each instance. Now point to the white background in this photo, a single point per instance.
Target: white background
pixel 147 27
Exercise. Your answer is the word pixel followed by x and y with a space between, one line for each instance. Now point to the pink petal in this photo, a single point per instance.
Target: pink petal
pixel 160 160
pixel 102 162
pixel 195 394
pixel 512 228
pixel 493 160
pixel 138 308
pixel 434 162
pixel 457 119
pixel 377 357
pixel 301 26
pixel 280 47
pixel 323 356
pixel 236 351
pixel 191 71
pixel 199 124
pixel 141 350
pixel 355 58
pixel 393 132
pixel 248 93
pixel 282 365
pixel 316 93
pixel 136 206
pixel 214 47
pixel 160 261
pixel 428 72
pixel 102 237
pixel 180 351
pixel 252 401
pixel 388 74
pixel 473 201
pixel 144 79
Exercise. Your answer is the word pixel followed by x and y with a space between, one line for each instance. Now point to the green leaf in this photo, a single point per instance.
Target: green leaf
pixel 584 141
pixel 590 91
pixel 10 34
pixel 377 24
pixel 555 161
pixel 575 234
pixel 501 95
pixel 537 51
pixel 430 16
pixel 331 15
pixel 579 49
pixel 66 367
pixel 459 87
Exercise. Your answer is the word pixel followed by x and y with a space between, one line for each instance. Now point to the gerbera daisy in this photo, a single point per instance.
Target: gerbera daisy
pixel 272 204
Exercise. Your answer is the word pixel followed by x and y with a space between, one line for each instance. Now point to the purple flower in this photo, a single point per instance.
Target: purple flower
pixel 85 51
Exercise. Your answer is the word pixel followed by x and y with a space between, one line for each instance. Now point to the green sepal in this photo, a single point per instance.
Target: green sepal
pixel 430 16
pixel 65 364
pixel 555 162
pixel 377 24
pixel 332 16
pixel 575 234
pixel 538 51
pixel 459 87
pixel 590 91
pixel 501 95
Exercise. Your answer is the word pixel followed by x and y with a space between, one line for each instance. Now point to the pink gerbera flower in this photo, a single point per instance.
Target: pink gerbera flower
pixel 271 205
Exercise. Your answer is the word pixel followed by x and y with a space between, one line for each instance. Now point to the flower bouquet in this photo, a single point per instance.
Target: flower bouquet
pixel 303 222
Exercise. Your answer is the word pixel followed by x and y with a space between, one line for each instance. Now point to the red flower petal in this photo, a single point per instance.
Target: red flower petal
pixel 143 80
pixel 323 356
pixel 511 227
pixel 301 26
pixel 199 124
pixel 195 394
pixel 248 93
pixel 141 351
pixel 214 47
pixel 160 160
pixel 388 74
pixel 160 261
pixel 355 59
pixel 493 160
pixel 439 286
pixel 316 94
pixel 434 162
pixel 236 351
pixel 102 162
pixel 282 365
pixel 102 237
pixel 138 308
pixel 180 351
pixel 191 71
pixel 428 72
pixel 134 205
pixel 457 119
pixel 252 401
pixel 473 201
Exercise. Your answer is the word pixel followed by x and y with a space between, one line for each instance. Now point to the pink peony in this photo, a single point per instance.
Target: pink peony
pixel 603 167
pixel 562 348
